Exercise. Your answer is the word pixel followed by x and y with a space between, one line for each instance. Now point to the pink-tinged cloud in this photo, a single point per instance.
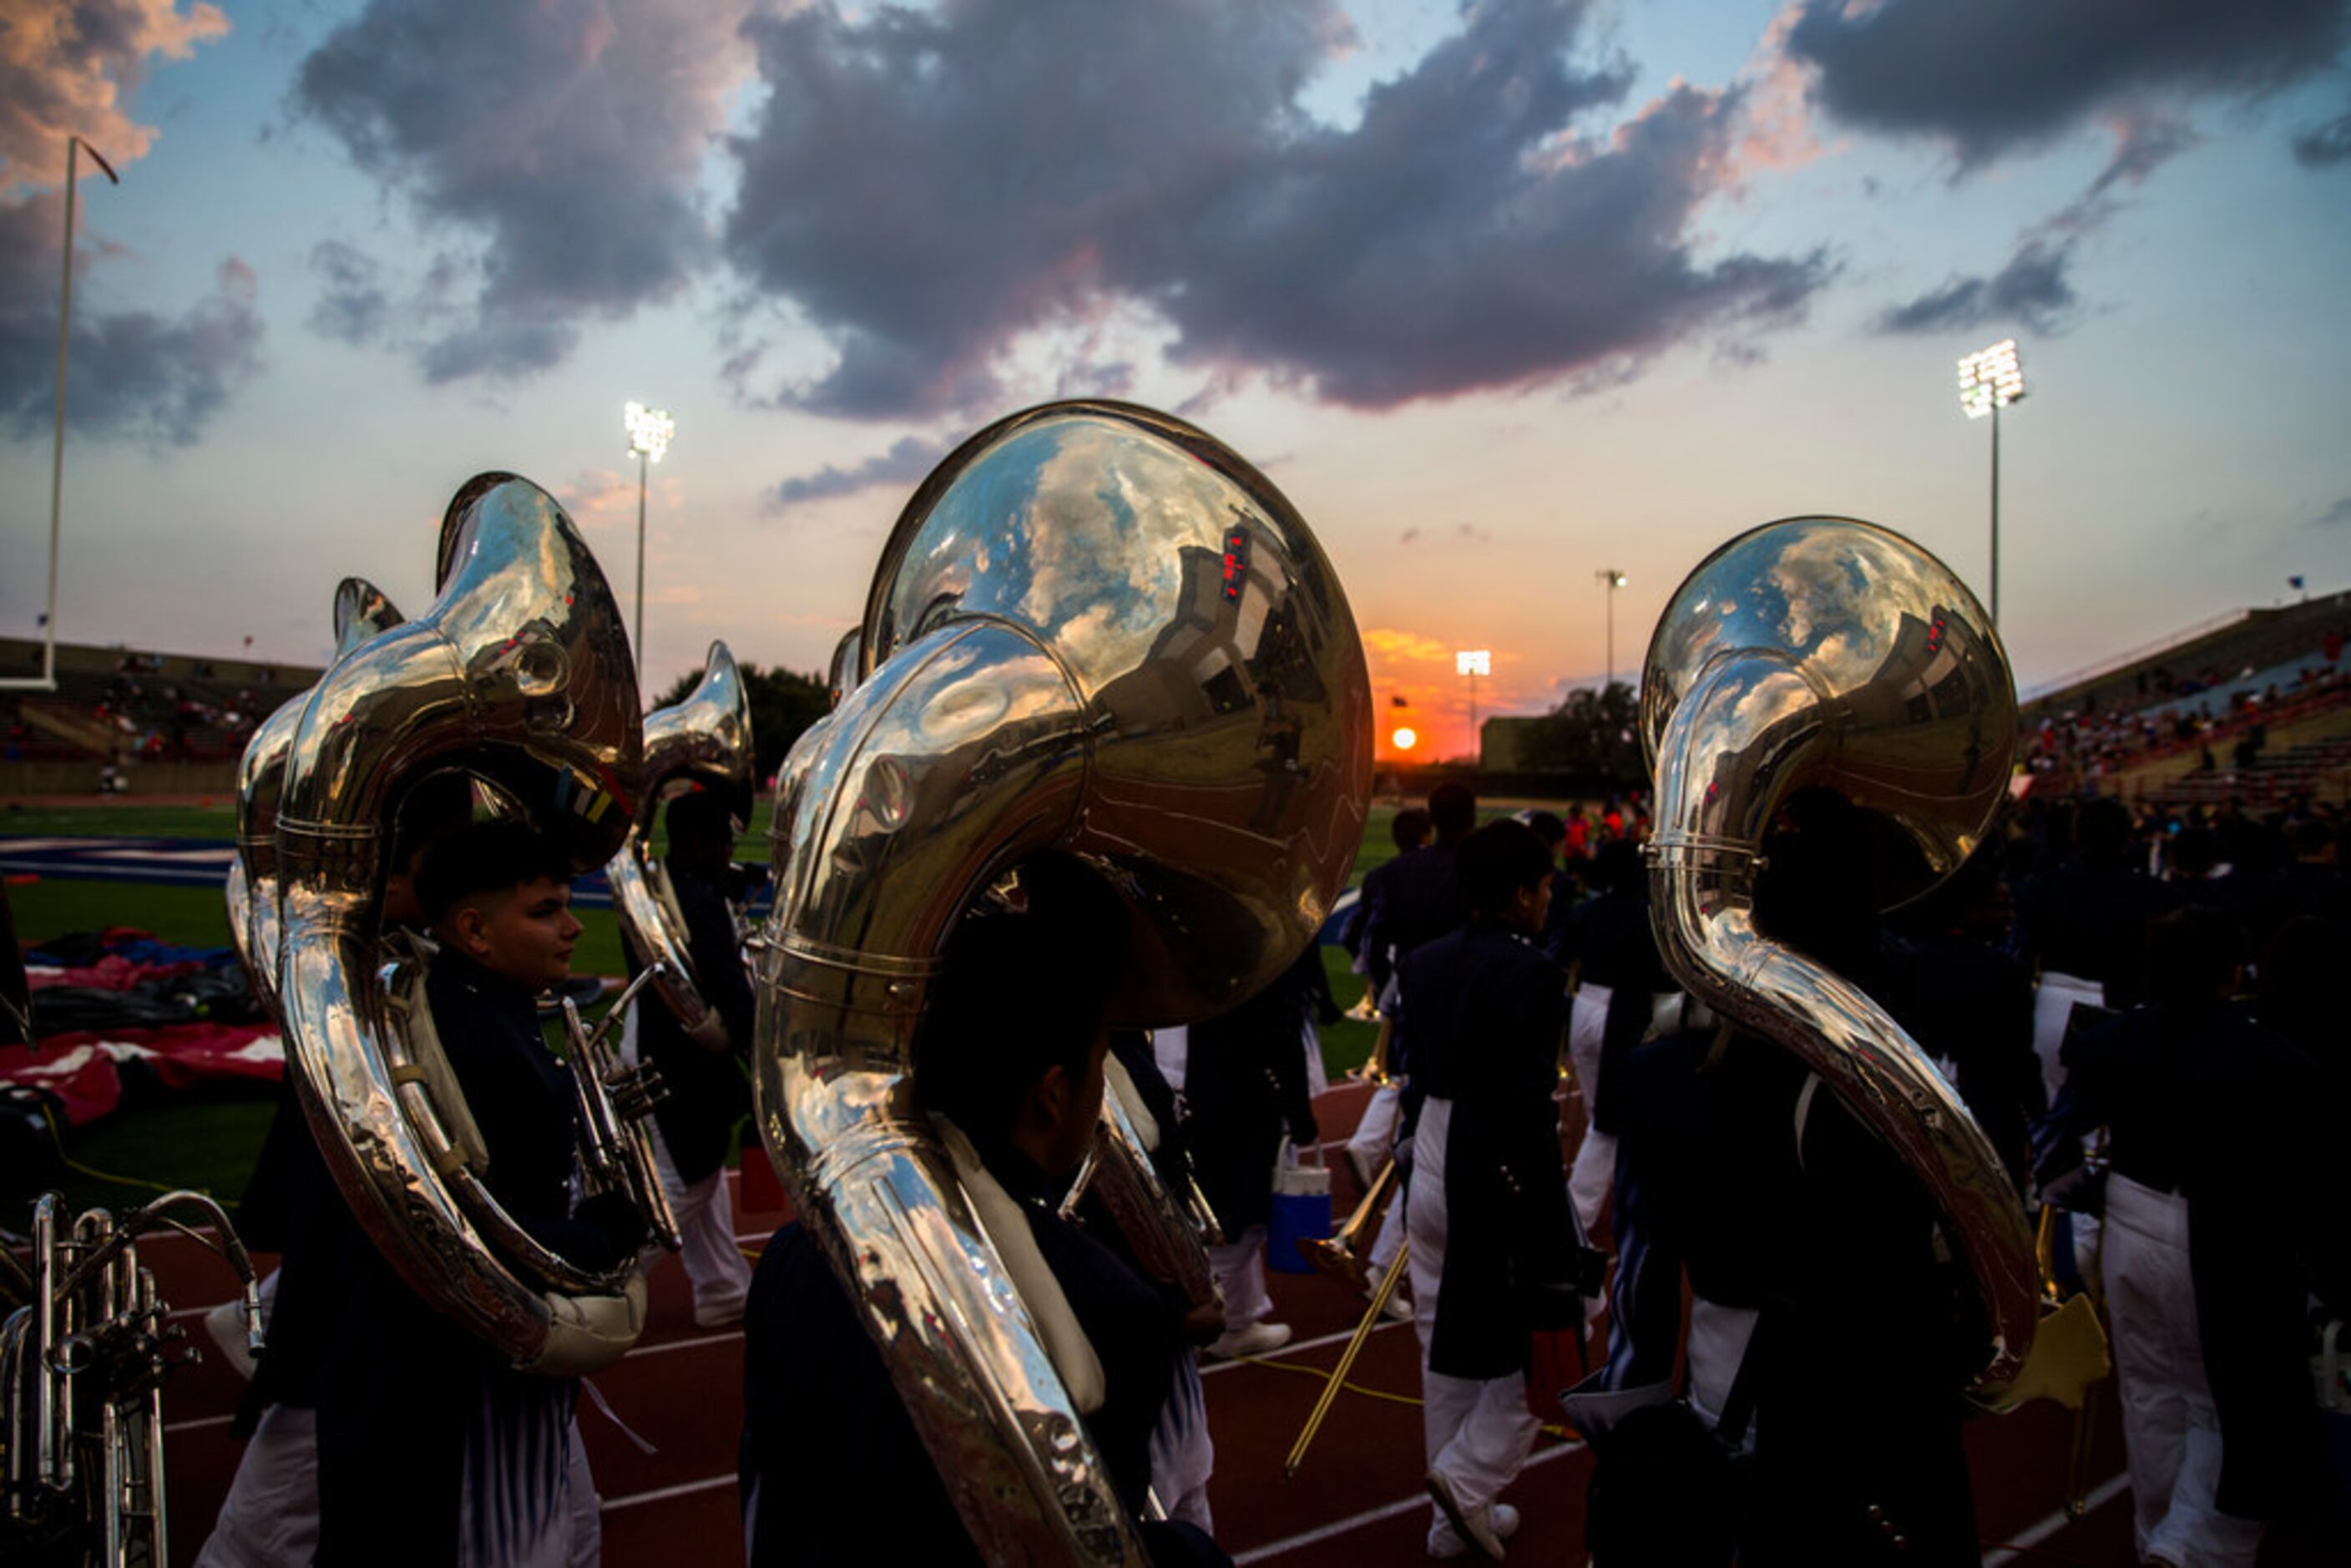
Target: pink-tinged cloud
pixel 69 67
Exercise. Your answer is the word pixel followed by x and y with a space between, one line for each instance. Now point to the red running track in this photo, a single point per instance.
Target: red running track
pixel 1357 1500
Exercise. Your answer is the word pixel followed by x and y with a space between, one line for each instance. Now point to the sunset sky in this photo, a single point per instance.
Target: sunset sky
pixel 1500 293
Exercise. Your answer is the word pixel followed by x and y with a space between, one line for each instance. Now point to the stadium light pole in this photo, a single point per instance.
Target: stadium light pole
pixel 1989 379
pixel 75 145
pixel 1612 580
pixel 650 433
pixel 1473 662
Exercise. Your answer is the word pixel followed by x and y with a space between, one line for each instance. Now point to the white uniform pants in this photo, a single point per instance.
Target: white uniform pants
pixel 1478 1432
pixel 1374 1139
pixel 714 1266
pixel 1183 1456
pixel 271 1514
pixel 1594 1171
pixel 1239 1268
pixel 2171 1434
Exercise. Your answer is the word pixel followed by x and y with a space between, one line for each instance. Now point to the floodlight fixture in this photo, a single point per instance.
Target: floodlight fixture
pixel 1990 379
pixel 651 429
pixel 1474 662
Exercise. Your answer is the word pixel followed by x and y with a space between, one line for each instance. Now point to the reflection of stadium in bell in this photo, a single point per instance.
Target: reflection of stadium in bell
pixel 1893 733
pixel 1227 653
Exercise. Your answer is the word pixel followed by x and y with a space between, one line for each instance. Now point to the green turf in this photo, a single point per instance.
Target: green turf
pixel 214 821
pixel 219 822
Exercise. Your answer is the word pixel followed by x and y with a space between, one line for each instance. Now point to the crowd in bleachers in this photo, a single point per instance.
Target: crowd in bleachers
pixel 144 708
pixel 2220 716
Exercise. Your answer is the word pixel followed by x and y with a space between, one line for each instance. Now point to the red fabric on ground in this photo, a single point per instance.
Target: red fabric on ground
pixel 111 973
pixel 80 1067
pixel 82 1079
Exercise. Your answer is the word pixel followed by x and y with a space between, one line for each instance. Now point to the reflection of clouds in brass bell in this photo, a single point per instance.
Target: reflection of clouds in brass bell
pixel 966 708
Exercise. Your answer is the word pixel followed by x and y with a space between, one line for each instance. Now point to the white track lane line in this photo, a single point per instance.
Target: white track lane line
pixel 2016 1546
pixel 1286 1352
pixel 1322 1533
pixel 662 1494
pixel 197 1424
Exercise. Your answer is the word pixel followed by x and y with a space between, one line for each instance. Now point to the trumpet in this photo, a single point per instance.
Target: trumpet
pixel 82 1358
pixel 615 1100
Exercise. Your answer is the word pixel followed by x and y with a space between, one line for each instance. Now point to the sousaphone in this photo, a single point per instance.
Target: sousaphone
pixel 1095 631
pixel 519 676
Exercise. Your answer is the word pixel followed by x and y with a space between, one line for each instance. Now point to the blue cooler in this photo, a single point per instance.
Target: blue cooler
pixel 1302 1210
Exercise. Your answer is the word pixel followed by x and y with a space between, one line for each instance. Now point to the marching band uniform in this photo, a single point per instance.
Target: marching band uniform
pixel 1483 1013
pixel 693 1125
pixel 379 1388
pixel 2220 1220
pixel 1245 1080
pixel 1607 941
pixel 1771 1197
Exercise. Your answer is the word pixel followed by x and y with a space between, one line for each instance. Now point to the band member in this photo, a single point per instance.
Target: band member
pixel 709 1096
pixel 1246 1084
pixel 2223 1217
pixel 1482 1015
pixel 1011 1052
pixel 290 1206
pixel 430 1448
pixel 1733 1165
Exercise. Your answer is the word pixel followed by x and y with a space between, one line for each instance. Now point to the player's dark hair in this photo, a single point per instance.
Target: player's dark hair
pixel 1452 810
pixel 488 857
pixel 1496 862
pixel 1023 991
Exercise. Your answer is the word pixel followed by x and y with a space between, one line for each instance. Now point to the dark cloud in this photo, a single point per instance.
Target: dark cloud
pixel 2324 146
pixel 2036 289
pixel 1990 76
pixel 2033 289
pixel 566 135
pixel 133 373
pixel 2334 516
pixel 352 306
pixel 928 188
pixel 906 463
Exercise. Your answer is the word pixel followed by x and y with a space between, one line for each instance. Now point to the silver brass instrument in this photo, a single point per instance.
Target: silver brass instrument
pixel 82 1356
pixel 362 611
pixel 1823 651
pixel 1095 629
pixel 520 675
pixel 613 1099
pixel 706 739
